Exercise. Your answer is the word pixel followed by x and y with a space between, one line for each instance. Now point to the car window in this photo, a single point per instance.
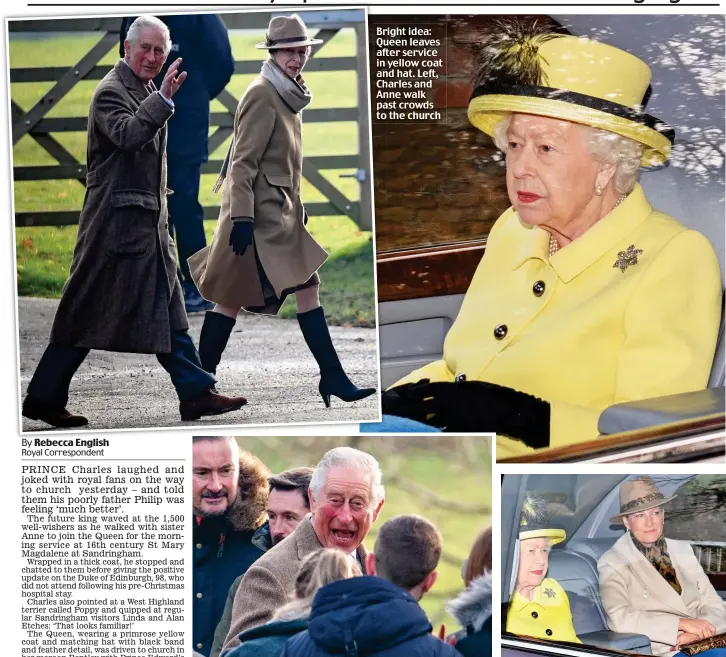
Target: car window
pixel 698 515
pixel 569 498
pixel 583 506
pixel 443 181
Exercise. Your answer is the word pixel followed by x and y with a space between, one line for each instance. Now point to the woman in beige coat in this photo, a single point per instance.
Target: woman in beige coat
pixel 261 250
pixel 654 585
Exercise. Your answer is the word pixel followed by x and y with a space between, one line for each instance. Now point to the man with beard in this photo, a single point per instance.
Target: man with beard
pixel 287 504
pixel 346 496
pixel 380 616
pixel 229 488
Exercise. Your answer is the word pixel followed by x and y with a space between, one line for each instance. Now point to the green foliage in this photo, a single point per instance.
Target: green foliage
pixel 44 253
pixel 454 469
pixel 43 256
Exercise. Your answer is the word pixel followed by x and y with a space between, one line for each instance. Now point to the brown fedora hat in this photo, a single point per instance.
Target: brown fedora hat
pixel 638 495
pixel 287 32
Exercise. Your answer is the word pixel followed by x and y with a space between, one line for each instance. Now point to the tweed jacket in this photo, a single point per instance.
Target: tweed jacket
pixel 637 599
pixel 122 293
pixel 268 584
pixel 579 332
pixel 262 183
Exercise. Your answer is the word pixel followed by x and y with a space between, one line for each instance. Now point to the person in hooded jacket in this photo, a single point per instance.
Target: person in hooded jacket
pixel 317 569
pixel 229 499
pixel 379 616
pixel 473 607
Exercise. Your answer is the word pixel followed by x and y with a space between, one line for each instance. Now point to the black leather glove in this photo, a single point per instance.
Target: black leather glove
pixel 402 401
pixel 478 406
pixel 241 237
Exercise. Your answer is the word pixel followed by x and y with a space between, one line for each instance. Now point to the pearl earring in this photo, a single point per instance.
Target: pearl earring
pixel 598 189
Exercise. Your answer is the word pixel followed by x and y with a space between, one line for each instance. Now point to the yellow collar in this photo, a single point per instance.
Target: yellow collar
pixel 547 594
pixel 577 256
pixel 519 602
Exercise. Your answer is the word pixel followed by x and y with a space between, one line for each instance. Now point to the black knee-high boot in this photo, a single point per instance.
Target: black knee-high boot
pixel 213 339
pixel 333 380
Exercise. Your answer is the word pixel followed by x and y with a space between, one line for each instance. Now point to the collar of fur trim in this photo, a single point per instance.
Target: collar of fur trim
pixel 249 510
pixel 474 606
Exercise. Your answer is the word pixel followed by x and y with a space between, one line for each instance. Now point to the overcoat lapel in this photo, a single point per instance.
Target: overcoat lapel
pixel 135 86
pixel 650 579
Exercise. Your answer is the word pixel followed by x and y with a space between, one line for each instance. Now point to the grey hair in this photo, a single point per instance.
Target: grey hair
pixel 605 146
pixel 348 457
pixel 144 21
pixel 214 439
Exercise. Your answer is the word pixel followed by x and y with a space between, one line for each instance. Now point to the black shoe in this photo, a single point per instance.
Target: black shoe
pixel 56 416
pixel 333 380
pixel 213 339
pixel 193 301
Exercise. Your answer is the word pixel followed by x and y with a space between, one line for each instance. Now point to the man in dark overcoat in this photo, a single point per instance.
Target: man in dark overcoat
pixel 123 293
pixel 201 40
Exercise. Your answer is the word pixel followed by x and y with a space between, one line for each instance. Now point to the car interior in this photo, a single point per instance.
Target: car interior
pixel 587 503
pixel 412 330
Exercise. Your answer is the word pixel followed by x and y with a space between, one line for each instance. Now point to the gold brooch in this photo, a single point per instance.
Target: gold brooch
pixel 627 258
pixel 549 593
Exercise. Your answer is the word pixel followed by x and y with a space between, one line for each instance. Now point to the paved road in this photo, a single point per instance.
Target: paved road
pixel 267 361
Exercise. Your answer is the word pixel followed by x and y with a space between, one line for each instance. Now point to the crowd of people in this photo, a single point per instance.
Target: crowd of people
pixel 280 565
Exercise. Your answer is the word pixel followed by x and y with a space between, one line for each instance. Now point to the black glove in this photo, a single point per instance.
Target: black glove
pixel 241 237
pixel 402 401
pixel 477 406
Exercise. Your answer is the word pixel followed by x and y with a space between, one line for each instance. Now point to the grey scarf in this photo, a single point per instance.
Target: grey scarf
pixel 294 94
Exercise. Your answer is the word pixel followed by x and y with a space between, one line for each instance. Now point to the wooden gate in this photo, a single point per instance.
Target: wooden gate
pixel 37 125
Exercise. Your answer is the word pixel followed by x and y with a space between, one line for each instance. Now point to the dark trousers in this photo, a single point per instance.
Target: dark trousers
pixel 186 215
pixel 59 363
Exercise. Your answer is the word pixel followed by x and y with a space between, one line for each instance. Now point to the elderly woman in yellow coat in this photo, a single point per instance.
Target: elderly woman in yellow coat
pixel 539 606
pixel 653 585
pixel 261 250
pixel 587 296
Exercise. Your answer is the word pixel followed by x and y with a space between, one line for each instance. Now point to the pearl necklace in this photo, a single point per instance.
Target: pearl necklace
pixel 554 245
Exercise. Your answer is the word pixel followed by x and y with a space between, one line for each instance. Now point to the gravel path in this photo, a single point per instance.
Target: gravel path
pixel 266 360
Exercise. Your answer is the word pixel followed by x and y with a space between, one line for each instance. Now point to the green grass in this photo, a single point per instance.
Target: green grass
pixel 43 256
pixel 440 465
pixel 44 253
